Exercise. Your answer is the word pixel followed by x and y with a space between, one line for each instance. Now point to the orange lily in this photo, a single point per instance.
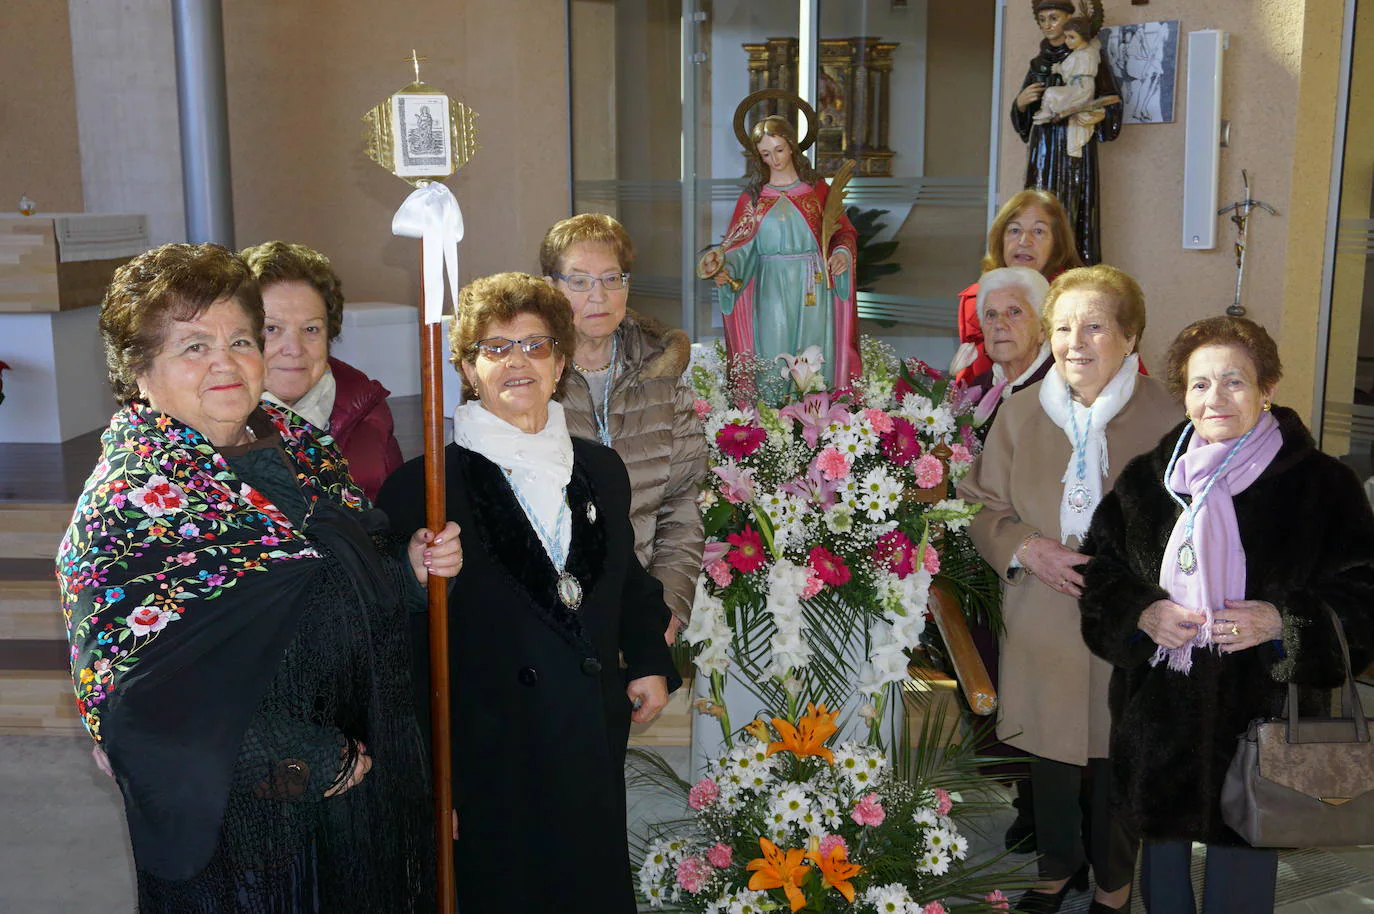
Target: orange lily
pixel 836 870
pixel 809 736
pixel 779 869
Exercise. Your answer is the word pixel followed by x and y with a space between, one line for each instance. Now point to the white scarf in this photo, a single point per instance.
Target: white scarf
pixel 538 464
pixel 999 373
pixel 316 405
pixel 1090 452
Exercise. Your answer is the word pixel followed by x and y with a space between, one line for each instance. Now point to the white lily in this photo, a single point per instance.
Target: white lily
pixel 804 369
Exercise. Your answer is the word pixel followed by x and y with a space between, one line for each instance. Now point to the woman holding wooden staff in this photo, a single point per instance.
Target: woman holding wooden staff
pixel 1055 449
pixel 549 600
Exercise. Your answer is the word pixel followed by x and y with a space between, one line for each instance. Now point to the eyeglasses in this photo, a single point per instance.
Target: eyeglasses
pixel 582 282
pixel 497 348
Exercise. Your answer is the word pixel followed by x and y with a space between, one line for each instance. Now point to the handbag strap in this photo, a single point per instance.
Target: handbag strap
pixel 1351 709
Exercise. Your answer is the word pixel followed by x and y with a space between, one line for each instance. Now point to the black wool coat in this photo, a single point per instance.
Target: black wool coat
pixel 540 715
pixel 1308 535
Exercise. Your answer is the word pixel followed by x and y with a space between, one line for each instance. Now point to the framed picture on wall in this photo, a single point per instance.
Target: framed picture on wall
pixel 1144 59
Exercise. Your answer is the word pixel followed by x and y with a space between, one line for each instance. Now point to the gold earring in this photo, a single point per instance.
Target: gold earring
pixel 1267 404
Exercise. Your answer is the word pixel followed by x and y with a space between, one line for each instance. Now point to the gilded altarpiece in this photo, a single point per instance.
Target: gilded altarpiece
pixel 853 85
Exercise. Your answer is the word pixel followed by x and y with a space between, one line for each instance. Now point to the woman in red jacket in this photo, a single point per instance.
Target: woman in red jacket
pixel 1031 230
pixel 303 298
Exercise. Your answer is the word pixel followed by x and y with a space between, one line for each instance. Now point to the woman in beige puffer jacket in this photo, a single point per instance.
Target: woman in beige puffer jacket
pixel 628 392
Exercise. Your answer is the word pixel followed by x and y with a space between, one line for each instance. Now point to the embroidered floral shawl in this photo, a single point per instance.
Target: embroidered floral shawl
pixel 162 528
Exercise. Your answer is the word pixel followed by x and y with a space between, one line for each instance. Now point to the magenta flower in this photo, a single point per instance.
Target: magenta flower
pixel 881 421
pixel 693 873
pixel 928 471
pixel 943 801
pixel 737 485
pixel 720 855
pixel 815 413
pixel 895 551
pixel 739 441
pixel 703 794
pixel 719 572
pixel 965 397
pixel 829 567
pixel 900 444
pixel 832 463
pixel 814 487
pixel 868 811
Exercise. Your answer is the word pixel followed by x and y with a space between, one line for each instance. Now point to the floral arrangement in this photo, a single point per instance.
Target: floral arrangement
pixel 781 821
pixel 827 515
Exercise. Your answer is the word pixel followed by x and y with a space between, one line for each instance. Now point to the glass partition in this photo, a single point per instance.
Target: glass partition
pixel 903 87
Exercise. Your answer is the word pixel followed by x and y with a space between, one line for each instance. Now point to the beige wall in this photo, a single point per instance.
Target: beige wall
pixel 39 153
pixel 298 85
pixel 1280 82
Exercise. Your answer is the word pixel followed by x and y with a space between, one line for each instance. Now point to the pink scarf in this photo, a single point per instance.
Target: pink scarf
pixel 1219 574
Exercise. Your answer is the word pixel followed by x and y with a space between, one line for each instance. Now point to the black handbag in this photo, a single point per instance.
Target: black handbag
pixel 1298 782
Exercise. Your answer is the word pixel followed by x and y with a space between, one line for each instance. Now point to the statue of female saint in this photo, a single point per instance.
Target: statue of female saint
pixel 1061 154
pixel 786 280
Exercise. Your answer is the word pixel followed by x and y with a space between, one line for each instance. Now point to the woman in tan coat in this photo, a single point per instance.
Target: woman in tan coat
pixel 626 391
pixel 1054 451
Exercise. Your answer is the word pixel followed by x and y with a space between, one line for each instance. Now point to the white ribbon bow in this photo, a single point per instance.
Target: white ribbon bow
pixel 431 214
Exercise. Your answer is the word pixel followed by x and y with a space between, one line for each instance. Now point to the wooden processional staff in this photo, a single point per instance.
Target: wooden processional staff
pixel 422 136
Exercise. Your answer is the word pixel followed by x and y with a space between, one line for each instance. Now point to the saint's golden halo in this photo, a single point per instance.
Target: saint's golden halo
pixel 744 107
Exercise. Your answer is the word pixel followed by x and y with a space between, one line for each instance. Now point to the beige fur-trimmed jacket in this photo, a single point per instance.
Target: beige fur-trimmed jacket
pixel 656 432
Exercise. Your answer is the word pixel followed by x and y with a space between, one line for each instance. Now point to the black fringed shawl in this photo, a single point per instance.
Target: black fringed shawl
pixel 233 663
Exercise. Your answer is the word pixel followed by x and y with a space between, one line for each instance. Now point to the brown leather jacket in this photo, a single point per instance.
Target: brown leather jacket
pixel 656 432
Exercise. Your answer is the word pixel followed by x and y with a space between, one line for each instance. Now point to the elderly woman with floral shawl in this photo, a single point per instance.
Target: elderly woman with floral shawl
pixel 235 610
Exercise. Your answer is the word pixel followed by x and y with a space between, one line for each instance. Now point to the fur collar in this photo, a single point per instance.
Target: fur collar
pixel 657 350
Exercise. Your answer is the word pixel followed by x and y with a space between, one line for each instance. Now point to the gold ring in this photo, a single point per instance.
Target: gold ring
pixel 1235 629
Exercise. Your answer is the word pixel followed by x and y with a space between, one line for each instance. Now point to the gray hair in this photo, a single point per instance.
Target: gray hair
pixel 1032 285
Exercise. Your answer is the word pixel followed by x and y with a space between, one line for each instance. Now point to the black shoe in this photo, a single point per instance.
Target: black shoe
pixel 1034 902
pixel 1098 907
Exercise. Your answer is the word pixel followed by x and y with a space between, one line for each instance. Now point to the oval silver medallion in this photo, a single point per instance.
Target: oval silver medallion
pixel 569 591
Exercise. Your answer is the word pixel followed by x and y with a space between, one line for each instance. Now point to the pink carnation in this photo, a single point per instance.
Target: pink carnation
pixel 693 873
pixel 928 471
pixel 881 421
pixel 814 584
pixel 934 907
pixel 702 408
pixel 704 793
pixel 830 842
pixel 958 453
pixel 833 464
pixel 932 559
pixel 719 571
pixel 868 811
pixel 720 855
pixel 997 900
pixel 943 802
